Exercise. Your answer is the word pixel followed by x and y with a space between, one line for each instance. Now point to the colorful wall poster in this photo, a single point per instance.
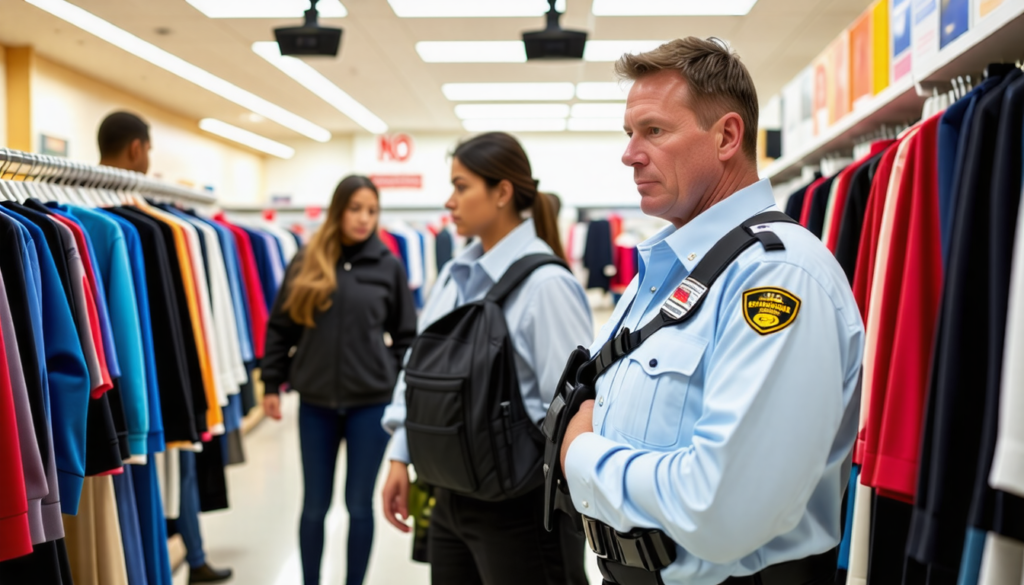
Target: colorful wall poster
pixel 899 22
pixel 839 105
pixel 986 7
pixel 861 59
pixel 925 30
pixel 880 45
pixel 822 73
pixel 956 19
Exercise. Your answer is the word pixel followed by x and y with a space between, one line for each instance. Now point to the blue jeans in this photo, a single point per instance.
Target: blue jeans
pixel 321 431
pixel 188 517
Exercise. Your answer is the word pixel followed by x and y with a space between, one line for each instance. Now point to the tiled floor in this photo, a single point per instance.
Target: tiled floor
pixel 258 536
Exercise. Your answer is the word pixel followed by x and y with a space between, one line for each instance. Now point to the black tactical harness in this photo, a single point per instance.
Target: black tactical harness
pixel 648 549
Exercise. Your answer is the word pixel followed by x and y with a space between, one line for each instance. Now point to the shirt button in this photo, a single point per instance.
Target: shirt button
pixel 586 504
pixel 654 289
pixel 654 363
pixel 348 267
pixel 691 257
pixel 600 401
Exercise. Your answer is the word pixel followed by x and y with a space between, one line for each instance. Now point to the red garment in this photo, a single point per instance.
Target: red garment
pixel 910 308
pixel 15 536
pixel 253 288
pixel 390 241
pixel 843 191
pixel 864 272
pixel 624 258
pixel 91 294
pixel 805 213
pixel 615 222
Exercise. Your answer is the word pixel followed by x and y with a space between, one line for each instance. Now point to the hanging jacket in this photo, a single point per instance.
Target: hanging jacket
pixel 343 361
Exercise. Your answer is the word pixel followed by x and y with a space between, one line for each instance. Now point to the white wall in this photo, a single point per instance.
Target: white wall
pixel 70 106
pixel 583 168
pixel 3 97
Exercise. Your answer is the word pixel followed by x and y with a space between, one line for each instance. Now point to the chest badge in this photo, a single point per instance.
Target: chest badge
pixel 769 309
pixel 683 298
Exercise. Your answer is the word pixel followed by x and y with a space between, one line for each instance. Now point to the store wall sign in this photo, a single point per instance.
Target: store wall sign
pixel 53 146
pixel 395 147
pixel 397 181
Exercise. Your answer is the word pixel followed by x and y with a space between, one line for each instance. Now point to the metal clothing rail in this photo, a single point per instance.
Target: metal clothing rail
pixel 60 171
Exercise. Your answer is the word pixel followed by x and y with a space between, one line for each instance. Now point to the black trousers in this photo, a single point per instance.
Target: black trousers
pixel 472 542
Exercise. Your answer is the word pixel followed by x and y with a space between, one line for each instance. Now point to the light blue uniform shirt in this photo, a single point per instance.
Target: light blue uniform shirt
pixel 736 444
pixel 548 316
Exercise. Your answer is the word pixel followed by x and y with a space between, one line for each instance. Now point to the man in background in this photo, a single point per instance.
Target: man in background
pixel 124 143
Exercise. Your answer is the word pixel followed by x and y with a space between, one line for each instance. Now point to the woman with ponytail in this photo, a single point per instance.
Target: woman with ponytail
pixel 495 201
pixel 326 337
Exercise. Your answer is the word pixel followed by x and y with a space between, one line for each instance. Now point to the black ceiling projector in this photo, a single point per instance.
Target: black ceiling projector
pixel 554 42
pixel 309 39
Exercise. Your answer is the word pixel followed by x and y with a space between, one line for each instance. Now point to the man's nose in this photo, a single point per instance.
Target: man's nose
pixel 634 155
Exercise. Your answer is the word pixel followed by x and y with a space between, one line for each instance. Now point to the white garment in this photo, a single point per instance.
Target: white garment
pixel 579 246
pixel 288 246
pixel 414 251
pixel 168 475
pixel 1008 465
pixel 860 542
pixel 1003 561
pixel 430 260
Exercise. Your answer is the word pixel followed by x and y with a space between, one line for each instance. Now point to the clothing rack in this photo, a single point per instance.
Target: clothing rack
pixel 41 168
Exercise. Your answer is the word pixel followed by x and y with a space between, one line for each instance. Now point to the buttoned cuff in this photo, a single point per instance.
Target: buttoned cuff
pixel 585 454
pixel 399 450
pixel 1007 473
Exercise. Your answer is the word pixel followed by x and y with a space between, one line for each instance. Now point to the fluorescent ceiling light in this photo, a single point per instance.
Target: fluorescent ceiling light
pixel 247 138
pixel 472 51
pixel 600 90
pixel 595 124
pixel 266 8
pixel 604 51
pixel 322 87
pixel 471 8
pixel 613 110
pixel 672 7
pixel 485 92
pixel 542 125
pixel 507 111
pixel 161 58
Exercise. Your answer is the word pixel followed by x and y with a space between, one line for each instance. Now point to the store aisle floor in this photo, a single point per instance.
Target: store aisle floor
pixel 258 536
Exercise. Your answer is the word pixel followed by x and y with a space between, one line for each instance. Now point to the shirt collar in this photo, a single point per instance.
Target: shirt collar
pixel 692 241
pixel 502 255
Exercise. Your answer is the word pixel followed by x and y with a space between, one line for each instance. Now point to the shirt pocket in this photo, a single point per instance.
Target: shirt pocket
pixel 651 399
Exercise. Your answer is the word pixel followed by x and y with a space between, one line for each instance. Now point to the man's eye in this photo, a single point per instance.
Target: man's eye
pixel 655 131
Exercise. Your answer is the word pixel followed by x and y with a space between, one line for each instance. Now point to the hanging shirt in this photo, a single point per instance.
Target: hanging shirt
pixel 690 421
pixel 547 316
pixel 258 312
pixel 15 533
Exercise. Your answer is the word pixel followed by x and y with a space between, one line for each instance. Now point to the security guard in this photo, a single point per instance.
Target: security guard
pixel 720 447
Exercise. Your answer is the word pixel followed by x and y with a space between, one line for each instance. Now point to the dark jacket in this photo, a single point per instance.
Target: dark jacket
pixel 343 361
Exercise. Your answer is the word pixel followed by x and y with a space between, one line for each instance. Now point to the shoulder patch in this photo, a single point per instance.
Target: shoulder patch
pixel 770 309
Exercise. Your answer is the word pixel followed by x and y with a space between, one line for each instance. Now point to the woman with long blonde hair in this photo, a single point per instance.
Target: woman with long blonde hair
pixel 326 337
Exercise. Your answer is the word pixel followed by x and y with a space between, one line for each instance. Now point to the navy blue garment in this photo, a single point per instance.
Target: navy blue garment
pixel 131 532
pixel 851 222
pixel 597 254
pixel 819 205
pixel 443 247
pixel 188 518
pixel 321 431
pixel 64 375
pixel 152 524
pixel 795 203
pixel 954 132
pixel 263 267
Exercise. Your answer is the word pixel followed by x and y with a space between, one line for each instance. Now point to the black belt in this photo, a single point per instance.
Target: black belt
pixel 651 550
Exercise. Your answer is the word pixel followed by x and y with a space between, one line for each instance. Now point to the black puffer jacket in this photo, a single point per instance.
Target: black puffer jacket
pixel 343 361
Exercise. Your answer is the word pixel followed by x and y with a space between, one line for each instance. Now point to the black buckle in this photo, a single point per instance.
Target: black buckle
pixel 641 548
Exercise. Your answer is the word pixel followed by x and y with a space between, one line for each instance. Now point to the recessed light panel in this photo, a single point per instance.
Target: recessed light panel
pixel 132 44
pixel 672 7
pixel 322 87
pixel 601 90
pixel 607 51
pixel 471 8
pixel 613 110
pixel 510 111
pixel 472 51
pixel 267 8
pixel 515 92
pixel 525 125
pixel 595 124
pixel 244 137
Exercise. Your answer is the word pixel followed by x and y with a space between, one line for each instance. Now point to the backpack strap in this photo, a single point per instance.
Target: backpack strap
pixel 687 299
pixel 518 272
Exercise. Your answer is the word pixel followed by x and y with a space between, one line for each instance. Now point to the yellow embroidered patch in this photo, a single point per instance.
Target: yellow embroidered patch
pixel 769 309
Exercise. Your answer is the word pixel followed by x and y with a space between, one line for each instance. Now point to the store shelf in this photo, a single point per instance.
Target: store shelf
pixel 995 39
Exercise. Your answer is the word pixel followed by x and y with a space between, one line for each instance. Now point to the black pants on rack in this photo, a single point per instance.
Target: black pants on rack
pixel 472 542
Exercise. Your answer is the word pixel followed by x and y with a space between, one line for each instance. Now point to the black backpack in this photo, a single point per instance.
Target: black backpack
pixel 467 427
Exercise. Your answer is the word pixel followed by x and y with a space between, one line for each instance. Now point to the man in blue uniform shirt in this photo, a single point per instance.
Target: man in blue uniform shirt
pixel 732 432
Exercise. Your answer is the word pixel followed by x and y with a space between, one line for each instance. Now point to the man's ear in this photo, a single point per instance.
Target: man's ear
pixel 135 149
pixel 729 133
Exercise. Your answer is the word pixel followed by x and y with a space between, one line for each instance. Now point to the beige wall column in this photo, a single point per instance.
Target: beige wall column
pixel 19 97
